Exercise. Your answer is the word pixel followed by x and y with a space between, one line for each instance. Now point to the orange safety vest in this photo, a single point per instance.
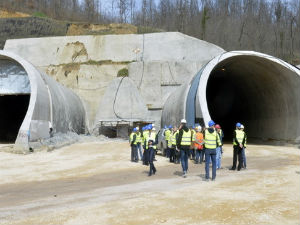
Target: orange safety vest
pixel 199 138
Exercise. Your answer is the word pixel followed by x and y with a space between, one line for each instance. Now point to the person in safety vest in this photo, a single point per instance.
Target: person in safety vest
pixel 172 144
pixel 183 143
pixel 239 140
pixel 244 149
pixel 167 134
pixel 219 149
pixel 199 142
pixel 143 134
pixel 146 152
pixel 139 143
pixel 192 147
pixel 151 142
pixel 133 144
pixel 211 142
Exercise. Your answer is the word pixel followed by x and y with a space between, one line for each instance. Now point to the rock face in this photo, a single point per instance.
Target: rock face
pixel 157 63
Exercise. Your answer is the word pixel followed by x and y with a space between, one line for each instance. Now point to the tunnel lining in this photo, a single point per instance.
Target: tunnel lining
pixel 266 122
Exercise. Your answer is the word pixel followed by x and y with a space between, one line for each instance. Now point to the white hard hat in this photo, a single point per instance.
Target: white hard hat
pixel 153 125
pixel 153 128
pixel 242 126
pixel 199 127
pixel 183 121
pixel 137 128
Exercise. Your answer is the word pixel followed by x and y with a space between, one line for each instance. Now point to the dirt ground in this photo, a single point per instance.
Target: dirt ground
pixel 7 14
pixel 95 183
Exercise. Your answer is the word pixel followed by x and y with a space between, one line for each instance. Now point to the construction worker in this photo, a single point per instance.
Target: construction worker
pixel 133 144
pixel 192 147
pixel 199 142
pixel 139 143
pixel 172 144
pixel 244 149
pixel 212 141
pixel 143 135
pixel 167 134
pixel 146 152
pixel 151 142
pixel 183 143
pixel 239 140
pixel 219 148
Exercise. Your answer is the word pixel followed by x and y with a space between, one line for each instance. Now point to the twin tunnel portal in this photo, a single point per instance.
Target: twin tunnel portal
pixel 258 91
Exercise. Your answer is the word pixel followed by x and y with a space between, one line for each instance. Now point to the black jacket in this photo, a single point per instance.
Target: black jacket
pixel 179 138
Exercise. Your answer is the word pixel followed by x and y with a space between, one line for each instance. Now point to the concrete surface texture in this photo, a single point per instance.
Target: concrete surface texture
pixel 123 101
pixel 157 63
pixel 16 80
pixel 102 186
pixel 255 89
pixel 49 102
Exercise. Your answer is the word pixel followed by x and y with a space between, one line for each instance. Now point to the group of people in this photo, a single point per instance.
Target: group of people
pixel 195 143
pixel 147 139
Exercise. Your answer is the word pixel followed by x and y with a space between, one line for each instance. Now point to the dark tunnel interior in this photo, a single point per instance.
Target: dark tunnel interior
pixel 12 114
pixel 255 92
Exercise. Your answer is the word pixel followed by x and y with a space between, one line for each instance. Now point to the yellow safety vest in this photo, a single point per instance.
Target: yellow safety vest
pixel 152 137
pixel 193 135
pixel 173 140
pixel 211 140
pixel 186 139
pixel 139 137
pixel 131 138
pixel 167 135
pixel 239 136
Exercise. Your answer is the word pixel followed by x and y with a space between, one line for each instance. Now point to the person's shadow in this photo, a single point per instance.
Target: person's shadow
pixel 178 173
pixel 202 176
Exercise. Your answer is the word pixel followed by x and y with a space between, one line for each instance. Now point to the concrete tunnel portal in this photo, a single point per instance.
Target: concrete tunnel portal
pixel 260 91
pixel 31 102
pixel 14 98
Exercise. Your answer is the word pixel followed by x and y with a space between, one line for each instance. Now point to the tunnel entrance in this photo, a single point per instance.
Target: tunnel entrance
pixel 257 92
pixel 12 114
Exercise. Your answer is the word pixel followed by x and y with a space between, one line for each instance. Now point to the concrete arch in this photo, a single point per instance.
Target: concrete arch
pixel 49 102
pixel 255 89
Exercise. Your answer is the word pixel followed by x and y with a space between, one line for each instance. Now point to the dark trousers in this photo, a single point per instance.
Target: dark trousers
pixel 151 158
pixel 146 157
pixel 167 150
pixel 210 154
pixel 192 154
pixel 172 154
pixel 237 155
pixel 184 155
pixel 199 155
pixel 134 154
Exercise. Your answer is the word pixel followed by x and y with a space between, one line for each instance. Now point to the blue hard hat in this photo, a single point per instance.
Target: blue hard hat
pixel 238 125
pixel 143 128
pixel 134 129
pixel 211 123
pixel 150 127
pixel 165 127
pixel 170 126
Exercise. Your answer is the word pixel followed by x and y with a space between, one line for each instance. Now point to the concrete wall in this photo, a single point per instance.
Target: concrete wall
pixel 87 64
pixel 122 101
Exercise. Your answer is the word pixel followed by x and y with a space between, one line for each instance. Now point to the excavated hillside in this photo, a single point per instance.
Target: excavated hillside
pixel 15 25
